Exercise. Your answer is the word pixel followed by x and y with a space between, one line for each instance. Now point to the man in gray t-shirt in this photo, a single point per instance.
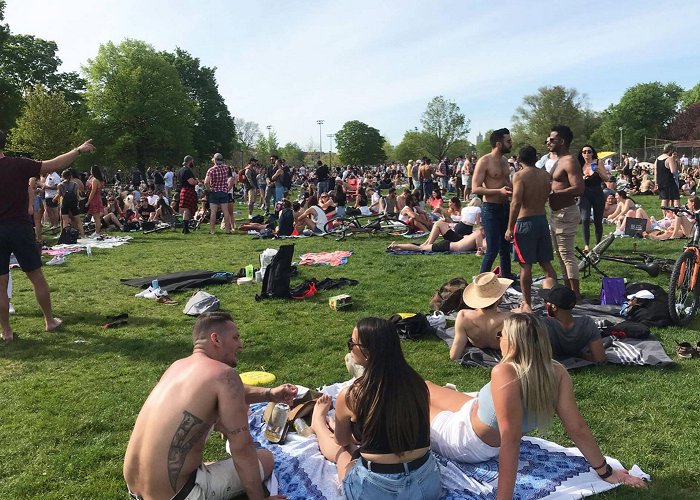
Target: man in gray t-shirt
pixel 570 336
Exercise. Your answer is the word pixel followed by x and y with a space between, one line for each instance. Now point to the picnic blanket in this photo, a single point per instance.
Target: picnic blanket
pixel 337 258
pixel 545 469
pixel 183 280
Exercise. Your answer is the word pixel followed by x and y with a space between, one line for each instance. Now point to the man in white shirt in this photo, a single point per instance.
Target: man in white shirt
pixel 685 162
pixel 50 191
pixel 168 177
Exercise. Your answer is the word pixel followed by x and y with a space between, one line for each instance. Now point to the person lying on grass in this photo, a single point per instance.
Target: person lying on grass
pixel 527 387
pixel 380 441
pixel 451 242
pixel 195 395
pixel 413 216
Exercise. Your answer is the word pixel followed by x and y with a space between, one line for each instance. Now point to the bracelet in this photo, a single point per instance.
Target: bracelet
pixel 268 394
pixel 608 472
pixel 605 462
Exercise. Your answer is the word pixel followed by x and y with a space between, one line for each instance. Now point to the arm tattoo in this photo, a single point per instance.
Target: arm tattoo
pixel 189 432
pixel 234 432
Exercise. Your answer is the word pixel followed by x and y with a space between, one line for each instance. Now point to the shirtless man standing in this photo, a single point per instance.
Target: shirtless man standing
pixel 479 326
pixel 491 180
pixel 195 395
pixel 528 226
pixel 567 184
pixel 425 174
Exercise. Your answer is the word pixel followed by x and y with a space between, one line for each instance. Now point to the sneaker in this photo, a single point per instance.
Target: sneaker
pixel 12 308
pixel 95 235
pixel 145 292
pixel 57 261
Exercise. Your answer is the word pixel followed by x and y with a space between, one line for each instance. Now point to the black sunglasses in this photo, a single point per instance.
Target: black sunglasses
pixel 352 344
pixel 499 334
pixel 587 151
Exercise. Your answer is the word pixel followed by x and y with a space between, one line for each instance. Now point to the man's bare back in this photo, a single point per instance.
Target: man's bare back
pixel 492 179
pixel 538 184
pixel 478 328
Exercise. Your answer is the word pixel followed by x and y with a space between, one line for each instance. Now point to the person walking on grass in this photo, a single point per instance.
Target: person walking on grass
pixel 188 195
pixel 16 232
pixel 94 202
pixel 527 224
pixel 218 184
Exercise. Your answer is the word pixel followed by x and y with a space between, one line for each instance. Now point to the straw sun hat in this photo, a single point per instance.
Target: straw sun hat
pixel 485 290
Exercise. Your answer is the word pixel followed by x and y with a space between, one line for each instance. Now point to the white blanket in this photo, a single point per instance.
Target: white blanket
pixel 545 470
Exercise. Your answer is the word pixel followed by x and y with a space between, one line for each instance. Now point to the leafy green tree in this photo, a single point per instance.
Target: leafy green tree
pixel 46 127
pixel 359 144
pixel 534 118
pixel 247 134
pixel 690 96
pixel 139 109
pixel 389 150
pixel 214 129
pixel 292 153
pixel 460 148
pixel 266 145
pixel 411 147
pixel 484 146
pixel 686 125
pixel 443 124
pixel 644 110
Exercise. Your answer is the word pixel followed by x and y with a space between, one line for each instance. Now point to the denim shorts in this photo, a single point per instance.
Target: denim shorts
pixel 218 198
pixel 420 484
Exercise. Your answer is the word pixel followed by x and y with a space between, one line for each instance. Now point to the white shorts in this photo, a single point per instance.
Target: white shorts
pixel 452 436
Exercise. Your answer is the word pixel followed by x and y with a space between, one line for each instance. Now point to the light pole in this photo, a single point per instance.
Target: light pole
pixel 620 129
pixel 331 136
pixel 320 144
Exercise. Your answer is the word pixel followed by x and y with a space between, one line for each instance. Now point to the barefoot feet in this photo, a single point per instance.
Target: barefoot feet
pixel 54 324
pixel 318 417
pixel 8 336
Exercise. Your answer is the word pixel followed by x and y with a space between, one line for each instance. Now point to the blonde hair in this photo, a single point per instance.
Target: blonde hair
pixel 530 354
pixel 476 202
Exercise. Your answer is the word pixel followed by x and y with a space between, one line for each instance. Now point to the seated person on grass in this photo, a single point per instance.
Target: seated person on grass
pixel 570 336
pixel 145 209
pixel 196 395
pixel 451 242
pixel 313 218
pixel 411 215
pixel 526 389
pixel 682 225
pixel 480 325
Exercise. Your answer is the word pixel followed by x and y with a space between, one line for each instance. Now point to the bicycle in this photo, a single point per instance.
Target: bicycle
pixel 386 225
pixel 647 262
pixel 684 287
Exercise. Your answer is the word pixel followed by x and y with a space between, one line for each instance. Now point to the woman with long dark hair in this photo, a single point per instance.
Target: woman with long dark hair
pixel 381 440
pixel 593 197
pixel 94 202
pixel 526 389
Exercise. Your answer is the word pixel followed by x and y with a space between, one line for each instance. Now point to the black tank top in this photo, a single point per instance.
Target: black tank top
pixel 593 181
pixel 663 174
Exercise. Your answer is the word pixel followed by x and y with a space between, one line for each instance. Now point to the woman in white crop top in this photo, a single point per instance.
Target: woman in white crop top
pixel 478 429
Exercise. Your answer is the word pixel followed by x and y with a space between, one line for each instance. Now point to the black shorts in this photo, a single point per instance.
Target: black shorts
pixel 452 236
pixel 50 203
pixel 441 246
pixel 669 192
pixel 19 239
pixel 464 229
pixel 532 240
pixel 69 205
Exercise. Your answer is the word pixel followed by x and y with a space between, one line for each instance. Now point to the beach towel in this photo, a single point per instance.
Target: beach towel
pixel 424 252
pixel 337 258
pixel 545 469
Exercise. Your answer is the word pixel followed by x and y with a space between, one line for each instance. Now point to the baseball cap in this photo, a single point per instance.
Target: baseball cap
pixel 560 296
pixel 218 158
pixel 187 159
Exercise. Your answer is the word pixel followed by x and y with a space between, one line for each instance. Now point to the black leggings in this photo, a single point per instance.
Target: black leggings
pixel 592 198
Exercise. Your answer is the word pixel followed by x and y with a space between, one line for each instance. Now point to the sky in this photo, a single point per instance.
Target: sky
pixel 288 64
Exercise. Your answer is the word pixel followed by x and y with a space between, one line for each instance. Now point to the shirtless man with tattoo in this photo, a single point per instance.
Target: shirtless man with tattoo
pixel 491 180
pixel 567 185
pixel 196 395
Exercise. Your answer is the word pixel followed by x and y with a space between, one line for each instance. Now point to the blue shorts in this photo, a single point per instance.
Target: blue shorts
pixel 532 240
pixel 218 198
pixel 419 484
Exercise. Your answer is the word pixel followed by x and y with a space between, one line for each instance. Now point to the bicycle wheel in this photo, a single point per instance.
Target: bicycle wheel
pixel 339 228
pixel 683 293
pixel 392 227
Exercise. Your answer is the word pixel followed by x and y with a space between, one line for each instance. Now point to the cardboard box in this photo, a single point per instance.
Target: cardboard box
pixel 340 302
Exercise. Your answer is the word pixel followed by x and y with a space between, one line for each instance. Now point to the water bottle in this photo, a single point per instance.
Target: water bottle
pixel 88 250
pixel 154 284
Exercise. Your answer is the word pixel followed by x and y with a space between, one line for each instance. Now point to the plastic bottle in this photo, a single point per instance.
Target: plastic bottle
pixel 154 284
pixel 88 250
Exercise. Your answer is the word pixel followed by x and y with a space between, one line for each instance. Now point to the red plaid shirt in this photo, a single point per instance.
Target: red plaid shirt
pixel 218 177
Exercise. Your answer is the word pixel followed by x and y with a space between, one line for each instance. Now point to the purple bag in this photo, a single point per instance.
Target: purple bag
pixel 612 291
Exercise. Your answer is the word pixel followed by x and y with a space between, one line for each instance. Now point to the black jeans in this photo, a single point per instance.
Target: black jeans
pixel 592 198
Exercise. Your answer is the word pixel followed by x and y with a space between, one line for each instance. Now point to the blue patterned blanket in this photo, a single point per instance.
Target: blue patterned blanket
pixel 545 469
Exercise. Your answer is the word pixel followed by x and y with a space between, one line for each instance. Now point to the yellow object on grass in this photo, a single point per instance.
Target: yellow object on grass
pixel 257 378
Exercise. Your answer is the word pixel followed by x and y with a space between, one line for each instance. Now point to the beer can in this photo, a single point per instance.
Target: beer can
pixel 302 427
pixel 278 420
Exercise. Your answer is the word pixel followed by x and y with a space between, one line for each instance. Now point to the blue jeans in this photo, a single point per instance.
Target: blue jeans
pixel 494 219
pixel 422 483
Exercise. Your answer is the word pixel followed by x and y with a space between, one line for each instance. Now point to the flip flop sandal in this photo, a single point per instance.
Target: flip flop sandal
pixel 684 350
pixel 115 324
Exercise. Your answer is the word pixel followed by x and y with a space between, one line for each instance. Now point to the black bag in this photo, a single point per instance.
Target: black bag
pixel 449 297
pixel 278 275
pixel 258 219
pixel 286 222
pixel 286 178
pixel 69 236
pixel 629 329
pixel 412 327
pixel 653 312
pixel 148 225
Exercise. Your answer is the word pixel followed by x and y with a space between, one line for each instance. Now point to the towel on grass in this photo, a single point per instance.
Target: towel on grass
pixel 545 469
pixel 337 258
pixel 423 252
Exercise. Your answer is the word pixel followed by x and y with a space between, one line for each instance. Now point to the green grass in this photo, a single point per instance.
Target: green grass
pixel 68 408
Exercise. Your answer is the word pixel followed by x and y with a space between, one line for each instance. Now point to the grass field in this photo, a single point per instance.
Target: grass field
pixel 67 408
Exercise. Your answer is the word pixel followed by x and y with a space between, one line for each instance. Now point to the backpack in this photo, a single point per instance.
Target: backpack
pixel 449 297
pixel 651 312
pixel 241 175
pixel 412 327
pixel 201 302
pixel 287 178
pixel 69 236
pixel 278 274
pixel 286 222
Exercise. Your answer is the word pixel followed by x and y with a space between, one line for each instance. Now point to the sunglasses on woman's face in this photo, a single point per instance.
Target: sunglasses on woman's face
pixel 587 151
pixel 352 343
pixel 499 334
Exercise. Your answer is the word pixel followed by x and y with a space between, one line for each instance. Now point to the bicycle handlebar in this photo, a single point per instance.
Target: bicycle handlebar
pixel 677 210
